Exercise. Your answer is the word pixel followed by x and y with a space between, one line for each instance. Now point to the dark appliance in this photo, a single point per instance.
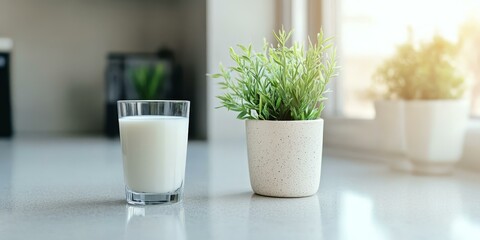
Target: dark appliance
pixel 5 99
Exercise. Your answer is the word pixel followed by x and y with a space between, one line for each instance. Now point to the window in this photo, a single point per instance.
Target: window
pixel 368 31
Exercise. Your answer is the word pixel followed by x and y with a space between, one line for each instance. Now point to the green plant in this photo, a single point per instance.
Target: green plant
pixel 148 80
pixel 279 83
pixel 425 72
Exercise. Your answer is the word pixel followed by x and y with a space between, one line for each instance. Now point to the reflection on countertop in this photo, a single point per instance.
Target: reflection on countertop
pixel 72 188
pixel 155 223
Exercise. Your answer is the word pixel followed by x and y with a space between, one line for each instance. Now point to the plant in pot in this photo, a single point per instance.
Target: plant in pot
pixel 388 88
pixel 280 92
pixel 435 113
pixel 149 81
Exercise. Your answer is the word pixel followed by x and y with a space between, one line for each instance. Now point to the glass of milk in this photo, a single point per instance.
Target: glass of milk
pixel 154 137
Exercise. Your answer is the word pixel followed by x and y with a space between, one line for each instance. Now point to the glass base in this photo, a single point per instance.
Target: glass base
pixel 142 198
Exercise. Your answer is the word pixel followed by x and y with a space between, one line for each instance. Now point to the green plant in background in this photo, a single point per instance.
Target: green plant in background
pixel 279 83
pixel 148 81
pixel 423 72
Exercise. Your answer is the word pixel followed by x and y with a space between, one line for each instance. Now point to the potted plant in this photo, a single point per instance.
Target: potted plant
pixel 149 81
pixel 390 91
pixel 435 113
pixel 280 92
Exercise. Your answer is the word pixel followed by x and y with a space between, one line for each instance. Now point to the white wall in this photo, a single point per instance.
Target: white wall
pixel 60 50
pixel 228 24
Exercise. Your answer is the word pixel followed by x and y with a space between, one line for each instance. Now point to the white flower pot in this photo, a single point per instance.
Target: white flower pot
pixel 390 119
pixel 435 131
pixel 285 157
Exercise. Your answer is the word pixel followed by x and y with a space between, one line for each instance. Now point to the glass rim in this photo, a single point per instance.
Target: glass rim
pixel 153 101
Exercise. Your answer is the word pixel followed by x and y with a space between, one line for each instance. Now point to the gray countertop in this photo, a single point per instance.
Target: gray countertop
pixel 72 188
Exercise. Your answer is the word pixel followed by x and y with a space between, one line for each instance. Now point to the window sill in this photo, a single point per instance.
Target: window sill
pixel 357 138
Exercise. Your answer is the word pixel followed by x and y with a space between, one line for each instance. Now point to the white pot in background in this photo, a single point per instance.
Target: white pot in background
pixel 285 157
pixel 390 119
pixel 435 131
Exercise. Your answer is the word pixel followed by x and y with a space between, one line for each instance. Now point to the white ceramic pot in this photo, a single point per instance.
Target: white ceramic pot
pixel 285 157
pixel 435 131
pixel 390 119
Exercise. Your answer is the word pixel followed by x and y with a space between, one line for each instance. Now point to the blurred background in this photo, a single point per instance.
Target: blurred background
pixel 71 60
pixel 369 32
pixel 64 63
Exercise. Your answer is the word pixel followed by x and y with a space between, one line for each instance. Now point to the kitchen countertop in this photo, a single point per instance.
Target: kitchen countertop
pixel 72 188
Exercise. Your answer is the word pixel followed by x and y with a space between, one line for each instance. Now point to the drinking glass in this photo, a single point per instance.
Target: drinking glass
pixel 154 136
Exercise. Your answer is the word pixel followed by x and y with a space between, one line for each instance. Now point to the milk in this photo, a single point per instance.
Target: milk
pixel 154 152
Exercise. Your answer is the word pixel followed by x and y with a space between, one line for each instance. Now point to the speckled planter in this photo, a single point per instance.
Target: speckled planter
pixel 285 157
